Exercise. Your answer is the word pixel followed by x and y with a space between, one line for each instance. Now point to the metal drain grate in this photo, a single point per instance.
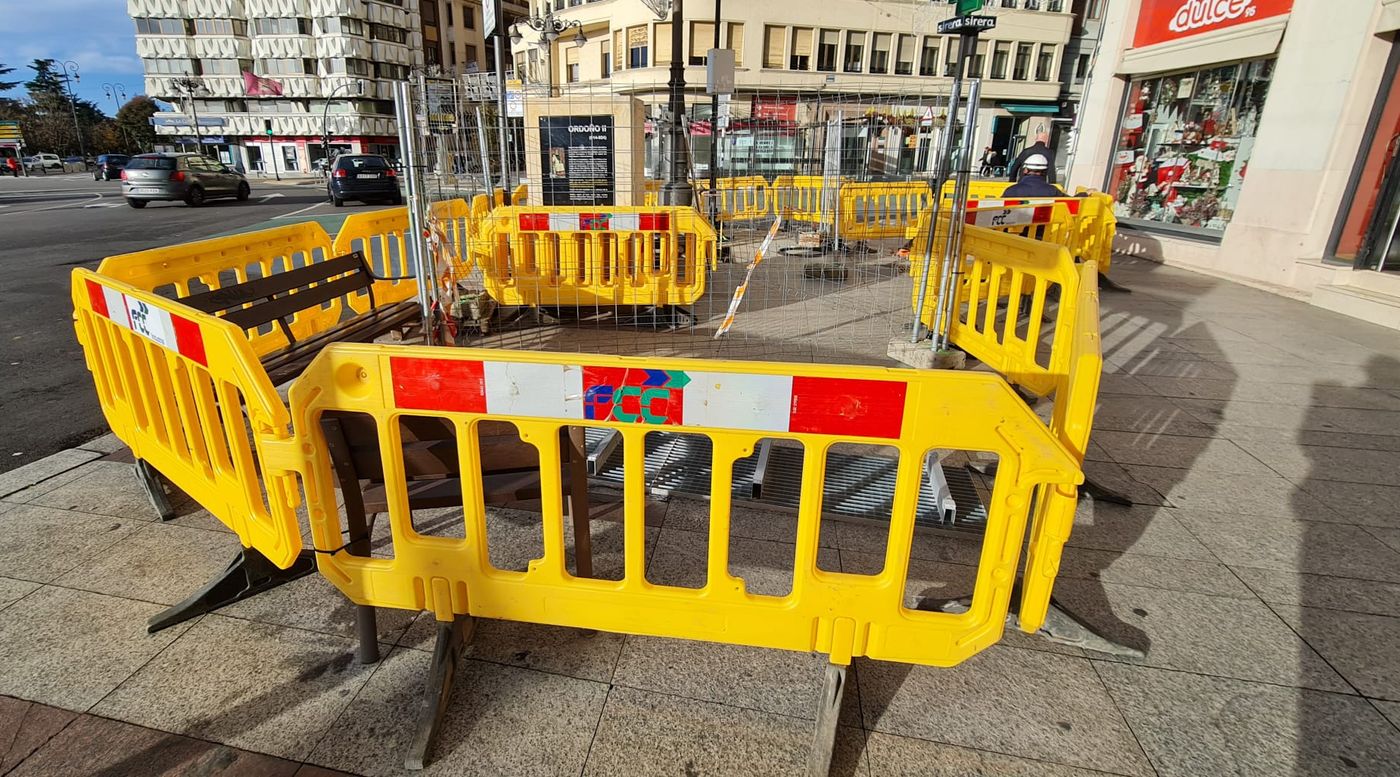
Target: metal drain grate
pixel 856 486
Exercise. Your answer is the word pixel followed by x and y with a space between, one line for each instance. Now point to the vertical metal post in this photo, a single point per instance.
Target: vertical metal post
pixel 677 189
pixel 485 154
pixel 406 115
pixel 952 255
pixel 501 39
pixel 714 136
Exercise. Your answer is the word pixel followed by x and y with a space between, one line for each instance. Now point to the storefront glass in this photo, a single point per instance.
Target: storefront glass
pixel 1369 234
pixel 1184 145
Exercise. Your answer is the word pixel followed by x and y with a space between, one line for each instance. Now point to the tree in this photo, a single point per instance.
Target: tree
pixel 50 115
pixel 45 80
pixel 134 120
pixel 6 86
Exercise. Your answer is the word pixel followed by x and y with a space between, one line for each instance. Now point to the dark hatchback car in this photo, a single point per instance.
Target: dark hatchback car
pixel 363 177
pixel 109 167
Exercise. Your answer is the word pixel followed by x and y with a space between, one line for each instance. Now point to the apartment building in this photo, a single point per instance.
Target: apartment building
pixel 453 34
pixel 261 82
pixel 1075 67
pixel 799 61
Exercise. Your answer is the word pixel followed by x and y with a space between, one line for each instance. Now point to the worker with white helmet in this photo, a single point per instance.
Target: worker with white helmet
pixel 1033 183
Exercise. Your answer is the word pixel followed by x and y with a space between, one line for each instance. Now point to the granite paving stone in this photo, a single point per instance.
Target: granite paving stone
pixel 582 653
pixel 1206 490
pixel 256 686
pixel 44 469
pixel 1147 530
pixel 41 544
pixel 107 488
pixel 156 563
pixel 502 720
pixel 71 648
pixel 1026 703
pixel 896 756
pixel 12 590
pixel 1278 586
pixel 1363 647
pixel 1363 504
pixel 314 604
pixel 25 726
pixel 1280 542
pixel 1193 725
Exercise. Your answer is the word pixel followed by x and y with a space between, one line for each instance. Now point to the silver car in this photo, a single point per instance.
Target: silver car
pixel 189 178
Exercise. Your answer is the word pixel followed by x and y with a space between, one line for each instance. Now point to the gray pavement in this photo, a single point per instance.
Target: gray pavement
pixel 50 225
pixel 1260 571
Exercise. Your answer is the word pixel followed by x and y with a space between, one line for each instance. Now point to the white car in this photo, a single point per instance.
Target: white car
pixel 43 162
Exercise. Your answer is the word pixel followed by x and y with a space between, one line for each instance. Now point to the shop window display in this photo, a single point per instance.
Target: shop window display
pixel 1184 144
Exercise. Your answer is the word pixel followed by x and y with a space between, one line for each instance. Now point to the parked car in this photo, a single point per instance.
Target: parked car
pixel 189 178
pixel 109 166
pixel 363 177
pixel 51 161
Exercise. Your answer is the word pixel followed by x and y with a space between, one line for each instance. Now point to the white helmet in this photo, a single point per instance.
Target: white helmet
pixel 1036 162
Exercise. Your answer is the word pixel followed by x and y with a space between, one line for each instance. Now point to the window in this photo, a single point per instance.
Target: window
pixel 452 57
pixel 429 12
pixel 663 44
pixel 880 53
pixel 1031 5
pixel 1095 9
pixel 469 17
pixel 855 52
pixel 1001 57
pixel 220 27
pixel 736 42
pixel 346 26
pixel 928 57
pixel 702 39
pixel 449 13
pixel 950 58
pixel 827 51
pixel 1022 68
pixel 357 67
pixel 605 60
pixel 637 46
pixel 1184 142
pixel 978 63
pixel 1045 63
pixel 571 69
pixel 387 71
pixel 1008 3
pixel 471 55
pixel 1081 68
pixel 164 26
pixel 169 67
pixel 219 67
pixel 773 45
pixel 1055 6
pixel 619 51
pixel 282 26
pixel 904 56
pixel 801 58
pixel 386 33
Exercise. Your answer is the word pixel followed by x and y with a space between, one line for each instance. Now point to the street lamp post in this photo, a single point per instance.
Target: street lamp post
pixel 677 189
pixel 189 87
pixel 117 94
pixel 549 27
pixel 359 87
pixel 70 69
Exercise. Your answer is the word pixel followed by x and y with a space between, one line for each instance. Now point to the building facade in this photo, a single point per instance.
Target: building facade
pixel 1254 139
pixel 454 34
pixel 799 62
pixel 261 83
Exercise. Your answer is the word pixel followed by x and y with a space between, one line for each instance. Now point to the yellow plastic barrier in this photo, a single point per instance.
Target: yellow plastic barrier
pixel 1094 228
pixel 734 405
pixel 810 199
pixel 587 256
pixel 740 199
pixel 175 384
pixel 189 268
pixel 519 194
pixel 383 237
pixel 881 210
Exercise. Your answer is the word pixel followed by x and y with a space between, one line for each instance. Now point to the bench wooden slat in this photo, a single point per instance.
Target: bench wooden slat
pixel 218 300
pixel 286 364
pixel 277 308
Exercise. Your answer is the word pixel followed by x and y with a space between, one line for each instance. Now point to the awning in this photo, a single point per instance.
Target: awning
pixel 1031 109
pixel 1244 41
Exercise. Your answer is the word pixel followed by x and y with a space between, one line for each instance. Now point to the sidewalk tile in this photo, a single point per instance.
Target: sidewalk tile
pixel 308 770
pixel 44 469
pixel 1144 368
pixel 1280 542
pixel 766 567
pixel 110 748
pixel 250 685
pixel 895 756
pixel 1203 489
pixel 1377 440
pixel 12 590
pixel 25 727
pixel 1281 416
pixel 1170 574
pixel 870 539
pixel 747 522
pixel 1215 635
pixel 107 488
pixel 581 653
pixel 1025 703
pixel 1333 593
pixel 1164 450
pixel 1391 537
pixel 1146 530
pixel 156 563
pixel 40 543
pixel 71 648
pixel 1304 462
pixel 1147 415
pixel 1364 648
pixel 1358 503
pixel 1120 383
pixel 777 681
pixel 1191 725
pixel 644 733
pixel 1390 709
pixel 107 444
pixel 501 721
pixel 312 603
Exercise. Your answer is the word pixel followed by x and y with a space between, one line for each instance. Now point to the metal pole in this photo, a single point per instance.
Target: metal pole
pixel 677 189
pixel 485 154
pixel 940 175
pixel 952 256
pixel 714 135
pixel 501 39
pixel 406 116
pixel 73 103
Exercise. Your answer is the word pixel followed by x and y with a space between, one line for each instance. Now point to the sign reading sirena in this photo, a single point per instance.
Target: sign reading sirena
pixel 1160 21
pixel 966 25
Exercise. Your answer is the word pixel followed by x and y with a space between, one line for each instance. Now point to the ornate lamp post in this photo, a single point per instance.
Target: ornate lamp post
pixel 549 27
pixel 70 77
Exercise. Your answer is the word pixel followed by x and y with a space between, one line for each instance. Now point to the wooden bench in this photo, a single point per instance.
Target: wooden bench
pixel 274 299
pixel 510 472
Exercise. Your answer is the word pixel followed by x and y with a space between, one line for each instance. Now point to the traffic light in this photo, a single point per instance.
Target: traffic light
pixel 267 127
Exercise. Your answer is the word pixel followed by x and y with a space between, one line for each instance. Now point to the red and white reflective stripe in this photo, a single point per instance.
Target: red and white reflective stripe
pixel 590 222
pixel 1071 203
pixel 158 325
pixel 769 403
pixel 1010 217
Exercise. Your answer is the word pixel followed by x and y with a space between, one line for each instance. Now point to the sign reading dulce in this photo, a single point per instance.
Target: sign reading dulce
pixel 1160 21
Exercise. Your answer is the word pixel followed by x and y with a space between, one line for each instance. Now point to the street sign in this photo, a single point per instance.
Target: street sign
pixel 488 18
pixel 966 25
pixel 515 100
pixel 966 7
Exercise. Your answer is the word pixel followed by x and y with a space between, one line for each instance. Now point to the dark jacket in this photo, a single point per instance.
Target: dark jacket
pixel 1013 172
pixel 1032 185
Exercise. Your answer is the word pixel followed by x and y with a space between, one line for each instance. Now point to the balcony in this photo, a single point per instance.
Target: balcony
pixel 271 9
pixel 342 46
pixel 253 125
pixel 221 47
pixel 395 53
pixel 391 15
pixel 214 9
pixel 324 8
pixel 284 47
pixel 164 47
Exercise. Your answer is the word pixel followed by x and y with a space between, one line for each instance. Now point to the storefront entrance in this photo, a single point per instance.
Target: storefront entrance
pixel 1367 234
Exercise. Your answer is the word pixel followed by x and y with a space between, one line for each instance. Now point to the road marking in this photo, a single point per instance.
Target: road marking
pixel 298 212
pixel 104 205
pixel 267 197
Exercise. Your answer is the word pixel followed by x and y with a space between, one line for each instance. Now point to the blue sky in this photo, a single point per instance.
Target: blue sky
pixel 96 34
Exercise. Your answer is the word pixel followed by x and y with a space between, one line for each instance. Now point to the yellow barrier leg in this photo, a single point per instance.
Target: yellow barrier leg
pixel 248 575
pixel 452 639
pixel 828 712
pixel 155 490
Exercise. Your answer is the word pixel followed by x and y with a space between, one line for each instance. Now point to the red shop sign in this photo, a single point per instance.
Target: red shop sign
pixel 1165 20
